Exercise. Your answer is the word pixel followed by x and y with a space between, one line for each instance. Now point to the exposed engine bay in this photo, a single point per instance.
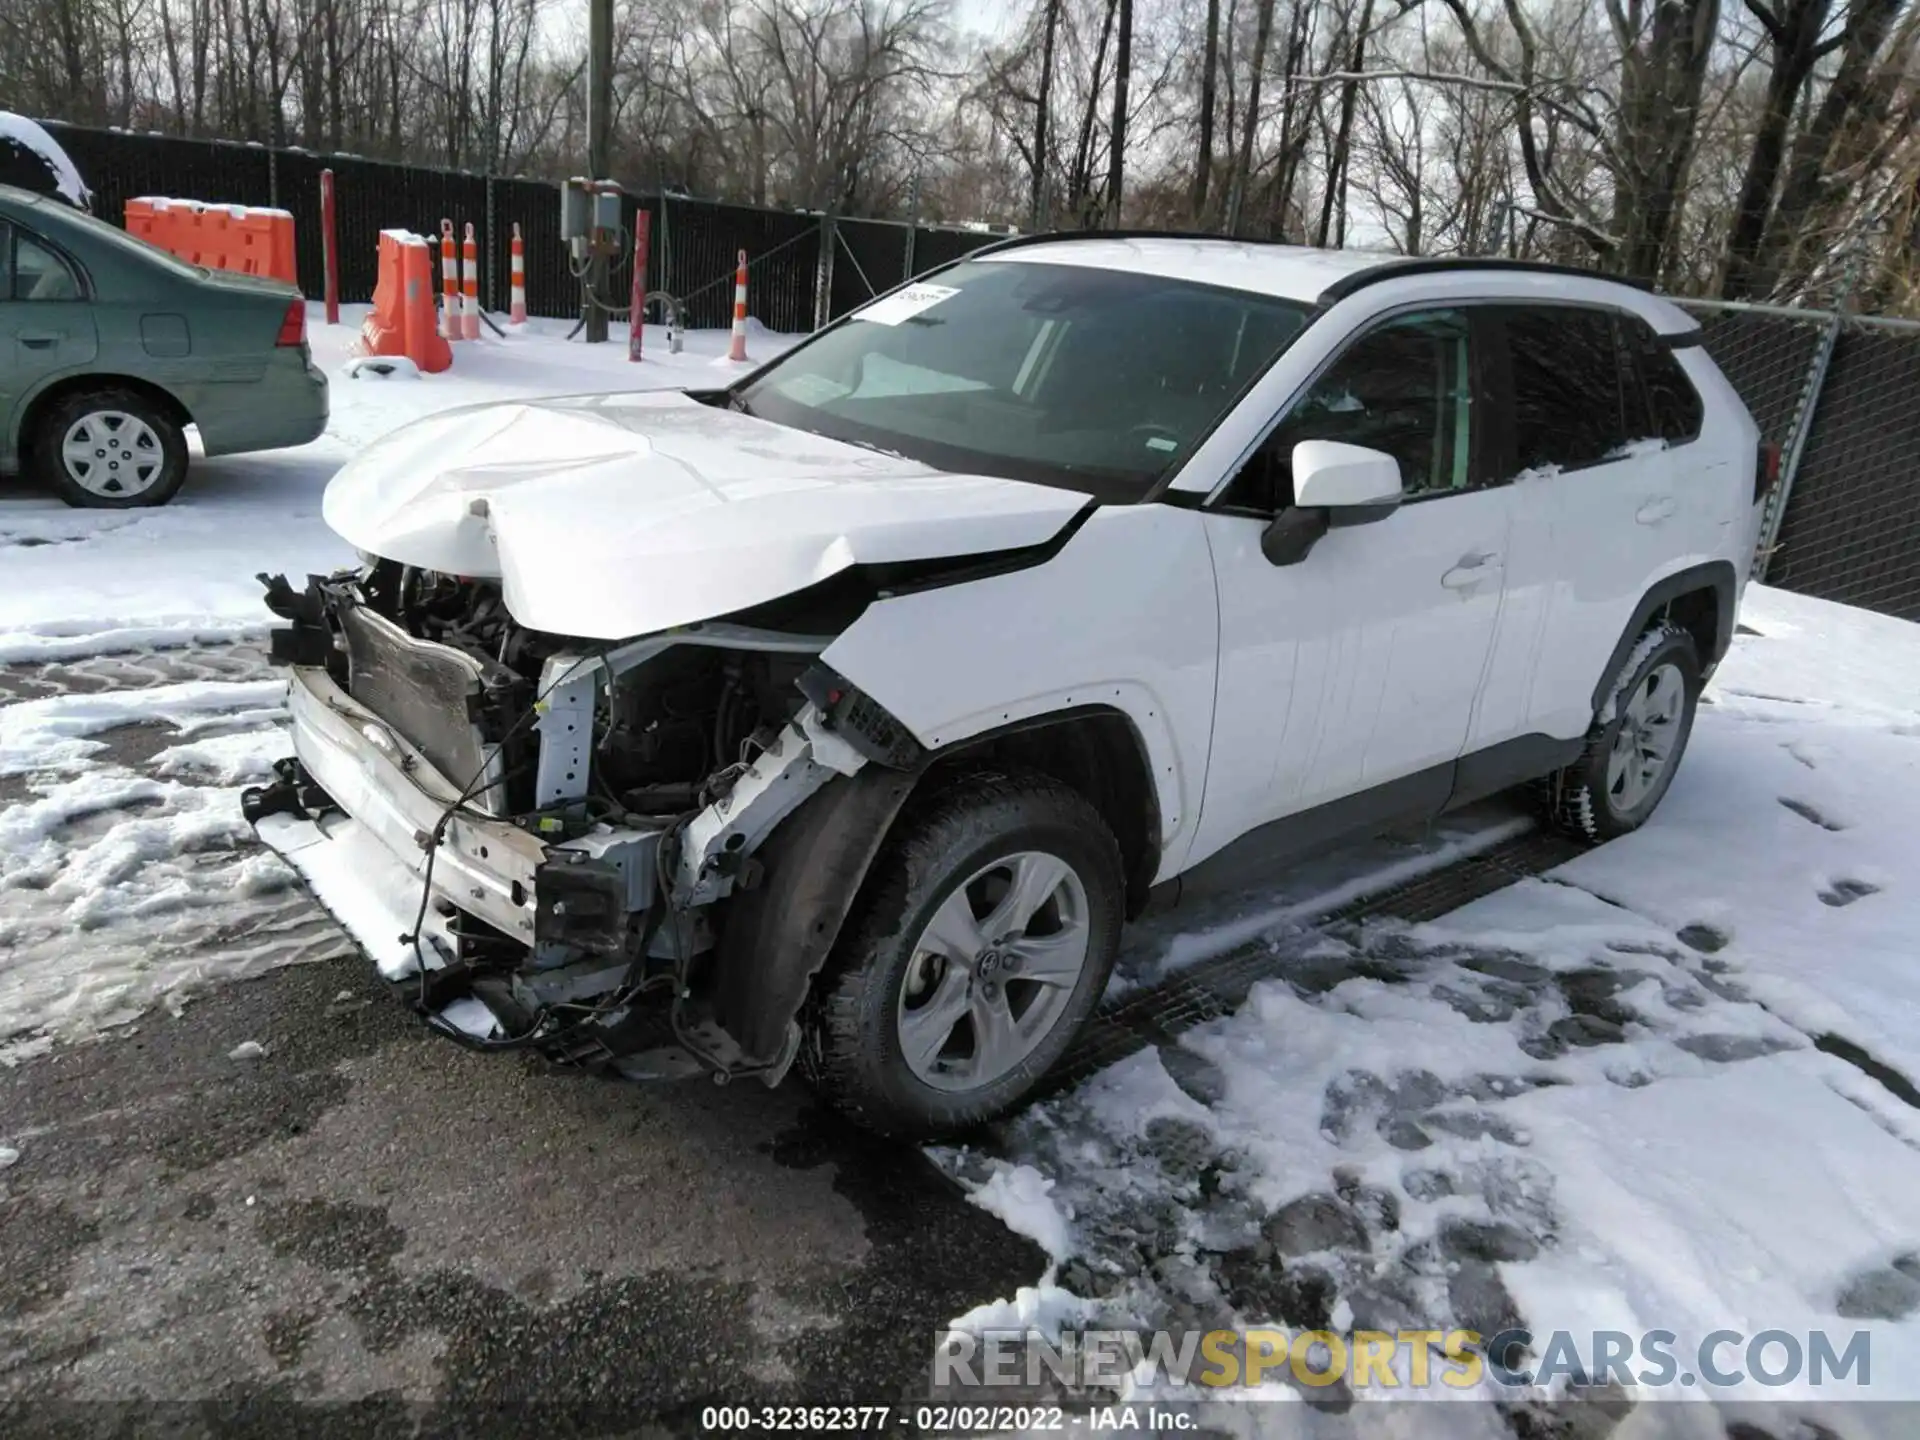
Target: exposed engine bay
pixel 575 811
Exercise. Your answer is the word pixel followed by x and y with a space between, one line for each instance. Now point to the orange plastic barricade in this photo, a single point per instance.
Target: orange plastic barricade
pixel 243 238
pixel 402 321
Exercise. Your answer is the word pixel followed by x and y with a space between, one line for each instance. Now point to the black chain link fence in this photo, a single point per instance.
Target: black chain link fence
pixel 1845 522
pixel 1851 530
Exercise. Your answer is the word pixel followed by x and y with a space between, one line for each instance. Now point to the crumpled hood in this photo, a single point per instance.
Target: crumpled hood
pixel 607 516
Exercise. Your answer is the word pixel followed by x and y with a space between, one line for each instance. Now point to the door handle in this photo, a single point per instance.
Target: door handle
pixel 1655 510
pixel 1470 570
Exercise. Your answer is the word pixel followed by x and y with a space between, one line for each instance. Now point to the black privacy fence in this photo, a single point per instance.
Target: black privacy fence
pixel 694 244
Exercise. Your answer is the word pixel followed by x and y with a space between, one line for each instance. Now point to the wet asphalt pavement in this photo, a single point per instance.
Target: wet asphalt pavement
pixel 370 1213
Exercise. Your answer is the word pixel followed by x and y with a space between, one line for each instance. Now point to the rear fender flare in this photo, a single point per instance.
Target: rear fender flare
pixel 1716 575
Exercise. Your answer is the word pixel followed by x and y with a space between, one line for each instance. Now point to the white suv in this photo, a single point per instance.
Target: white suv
pixel 844 715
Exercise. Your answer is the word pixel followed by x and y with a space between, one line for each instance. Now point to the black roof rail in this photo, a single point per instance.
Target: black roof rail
pixel 1394 266
pixel 1384 267
pixel 1048 237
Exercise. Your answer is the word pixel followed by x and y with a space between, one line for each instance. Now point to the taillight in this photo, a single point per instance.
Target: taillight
pixel 1767 470
pixel 293 328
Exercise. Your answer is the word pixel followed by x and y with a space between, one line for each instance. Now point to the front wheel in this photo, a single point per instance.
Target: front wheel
pixel 1635 745
pixel 984 937
pixel 110 449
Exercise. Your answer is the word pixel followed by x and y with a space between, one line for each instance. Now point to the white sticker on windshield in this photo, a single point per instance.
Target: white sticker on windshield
pixel 905 304
pixel 1161 442
pixel 811 389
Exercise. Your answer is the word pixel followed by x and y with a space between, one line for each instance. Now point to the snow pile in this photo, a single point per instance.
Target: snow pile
pixel 1668 1086
pixel 200 207
pixel 52 733
pixel 1022 1197
pixel 26 136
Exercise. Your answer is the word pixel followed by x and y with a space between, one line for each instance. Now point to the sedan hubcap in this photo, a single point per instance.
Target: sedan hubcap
pixel 112 453
pixel 1648 735
pixel 993 971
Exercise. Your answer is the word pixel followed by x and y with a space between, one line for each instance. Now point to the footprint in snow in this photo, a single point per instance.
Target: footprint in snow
pixel 1845 892
pixel 1811 815
pixel 1706 939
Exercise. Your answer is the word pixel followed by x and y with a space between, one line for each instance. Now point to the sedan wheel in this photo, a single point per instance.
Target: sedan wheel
pixel 113 454
pixel 111 449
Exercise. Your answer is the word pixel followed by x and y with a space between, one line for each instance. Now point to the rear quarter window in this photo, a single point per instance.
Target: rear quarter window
pixel 1673 407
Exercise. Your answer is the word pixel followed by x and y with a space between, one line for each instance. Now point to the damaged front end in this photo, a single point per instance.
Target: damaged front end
pixel 631 854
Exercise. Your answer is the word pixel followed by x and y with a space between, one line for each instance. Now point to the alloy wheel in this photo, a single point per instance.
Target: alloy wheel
pixel 993 970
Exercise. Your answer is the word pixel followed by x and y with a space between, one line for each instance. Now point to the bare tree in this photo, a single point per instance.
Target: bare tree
pixel 1209 93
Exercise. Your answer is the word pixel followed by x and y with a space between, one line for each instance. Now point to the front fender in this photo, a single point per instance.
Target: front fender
pixel 1124 618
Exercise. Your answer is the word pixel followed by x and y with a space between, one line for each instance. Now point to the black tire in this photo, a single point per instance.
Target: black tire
pixel 852 1051
pixel 49 465
pixel 1580 801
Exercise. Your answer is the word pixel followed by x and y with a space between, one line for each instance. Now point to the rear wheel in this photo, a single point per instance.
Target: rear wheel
pixel 984 938
pixel 110 449
pixel 1635 746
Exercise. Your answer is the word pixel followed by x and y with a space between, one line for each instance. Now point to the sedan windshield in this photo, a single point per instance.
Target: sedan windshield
pixel 1095 380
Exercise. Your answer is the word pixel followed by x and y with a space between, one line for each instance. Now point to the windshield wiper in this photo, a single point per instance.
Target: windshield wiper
pixel 738 404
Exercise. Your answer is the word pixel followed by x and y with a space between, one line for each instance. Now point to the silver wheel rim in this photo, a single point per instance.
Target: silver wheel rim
pixel 112 454
pixel 1649 733
pixel 993 971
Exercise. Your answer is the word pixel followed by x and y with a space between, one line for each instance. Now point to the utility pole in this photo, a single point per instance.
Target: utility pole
pixel 599 136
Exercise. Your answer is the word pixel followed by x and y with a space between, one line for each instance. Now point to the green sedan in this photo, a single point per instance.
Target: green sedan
pixel 110 348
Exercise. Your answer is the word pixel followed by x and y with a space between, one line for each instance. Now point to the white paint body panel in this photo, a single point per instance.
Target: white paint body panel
pixel 1123 617
pixel 617 515
pixel 1589 543
pixel 1352 668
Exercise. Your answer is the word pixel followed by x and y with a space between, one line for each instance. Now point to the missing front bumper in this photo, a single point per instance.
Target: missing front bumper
pixel 503 926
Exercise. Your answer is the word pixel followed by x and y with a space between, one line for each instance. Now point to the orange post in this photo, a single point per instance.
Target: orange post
pixel 401 321
pixel 738 350
pixel 470 283
pixel 449 284
pixel 517 306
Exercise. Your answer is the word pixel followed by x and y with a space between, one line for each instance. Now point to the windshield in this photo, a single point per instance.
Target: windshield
pixel 1095 380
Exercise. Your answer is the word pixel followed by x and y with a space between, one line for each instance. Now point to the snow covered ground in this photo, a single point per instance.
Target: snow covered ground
pixel 1667 1086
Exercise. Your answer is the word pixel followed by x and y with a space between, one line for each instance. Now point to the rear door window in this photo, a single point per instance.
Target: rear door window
pixel 1569 397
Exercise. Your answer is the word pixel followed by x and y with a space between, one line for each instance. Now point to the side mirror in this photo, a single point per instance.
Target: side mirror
pixel 1354 484
pixel 1333 485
